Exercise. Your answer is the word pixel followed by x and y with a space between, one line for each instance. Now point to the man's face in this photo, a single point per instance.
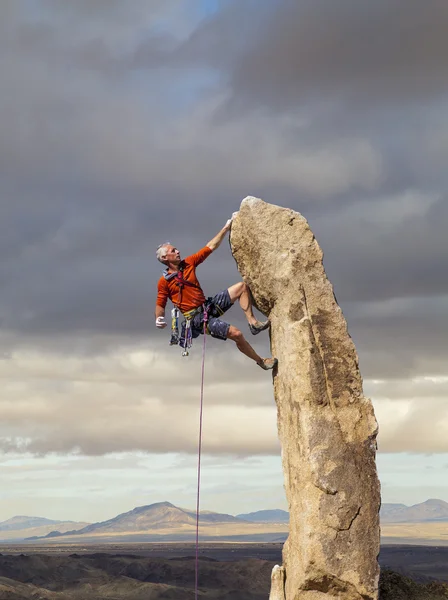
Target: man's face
pixel 172 254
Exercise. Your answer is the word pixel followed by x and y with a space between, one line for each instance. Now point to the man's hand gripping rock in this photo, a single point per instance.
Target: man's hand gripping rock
pixel 229 221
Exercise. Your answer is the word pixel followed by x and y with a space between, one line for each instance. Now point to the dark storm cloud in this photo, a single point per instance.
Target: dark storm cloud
pixel 123 125
pixel 373 70
pixel 85 196
pixel 385 248
pixel 384 51
pixel 402 345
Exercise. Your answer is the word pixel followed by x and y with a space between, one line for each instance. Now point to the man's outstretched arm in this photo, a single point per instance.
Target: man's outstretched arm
pixel 215 242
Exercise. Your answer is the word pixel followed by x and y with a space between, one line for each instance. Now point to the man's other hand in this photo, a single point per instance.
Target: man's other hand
pixel 161 323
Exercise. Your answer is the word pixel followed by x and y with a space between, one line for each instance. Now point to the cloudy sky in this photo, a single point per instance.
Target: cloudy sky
pixel 125 124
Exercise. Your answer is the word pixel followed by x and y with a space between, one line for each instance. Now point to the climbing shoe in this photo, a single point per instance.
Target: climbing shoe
pixel 258 326
pixel 267 363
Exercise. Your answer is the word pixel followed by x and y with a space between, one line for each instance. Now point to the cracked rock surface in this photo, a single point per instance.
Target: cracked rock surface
pixel 327 428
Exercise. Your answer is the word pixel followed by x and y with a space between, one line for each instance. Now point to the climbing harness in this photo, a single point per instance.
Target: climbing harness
pixel 199 455
pixel 187 343
pixel 179 277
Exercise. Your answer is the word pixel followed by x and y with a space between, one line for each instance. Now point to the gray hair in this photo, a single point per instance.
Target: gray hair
pixel 160 252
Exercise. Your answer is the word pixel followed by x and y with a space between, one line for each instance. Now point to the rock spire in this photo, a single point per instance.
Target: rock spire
pixel 327 428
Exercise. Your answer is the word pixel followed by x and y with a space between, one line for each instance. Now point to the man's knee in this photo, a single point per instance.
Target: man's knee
pixel 237 289
pixel 234 334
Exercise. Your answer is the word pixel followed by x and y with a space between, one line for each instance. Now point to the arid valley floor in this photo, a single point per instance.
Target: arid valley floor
pixel 166 571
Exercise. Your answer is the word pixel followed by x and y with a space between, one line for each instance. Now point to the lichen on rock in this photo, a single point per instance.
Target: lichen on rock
pixel 327 428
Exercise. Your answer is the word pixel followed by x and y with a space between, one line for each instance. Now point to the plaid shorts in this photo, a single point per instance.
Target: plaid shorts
pixel 217 306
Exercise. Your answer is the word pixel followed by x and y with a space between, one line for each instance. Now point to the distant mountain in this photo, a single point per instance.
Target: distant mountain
pixel 21 528
pixel 425 512
pixel 266 516
pixel 431 510
pixel 161 515
pixel 164 521
pixel 22 522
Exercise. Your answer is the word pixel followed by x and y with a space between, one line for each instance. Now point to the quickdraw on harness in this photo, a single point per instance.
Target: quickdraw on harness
pixel 189 315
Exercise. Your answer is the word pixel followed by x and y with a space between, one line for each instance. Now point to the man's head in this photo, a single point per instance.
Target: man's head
pixel 168 254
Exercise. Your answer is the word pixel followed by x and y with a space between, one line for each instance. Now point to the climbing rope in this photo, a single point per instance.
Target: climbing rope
pixel 199 455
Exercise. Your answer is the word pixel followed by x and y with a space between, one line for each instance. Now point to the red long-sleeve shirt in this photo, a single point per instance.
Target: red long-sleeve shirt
pixel 187 297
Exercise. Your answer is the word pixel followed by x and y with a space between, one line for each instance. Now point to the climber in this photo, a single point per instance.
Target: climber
pixel 179 284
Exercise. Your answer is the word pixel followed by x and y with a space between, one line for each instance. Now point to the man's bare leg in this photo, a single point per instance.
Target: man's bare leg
pixel 240 291
pixel 243 346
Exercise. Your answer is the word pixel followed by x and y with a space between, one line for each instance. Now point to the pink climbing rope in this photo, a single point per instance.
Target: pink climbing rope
pixel 199 457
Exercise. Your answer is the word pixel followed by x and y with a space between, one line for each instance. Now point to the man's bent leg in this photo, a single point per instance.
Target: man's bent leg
pixel 240 291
